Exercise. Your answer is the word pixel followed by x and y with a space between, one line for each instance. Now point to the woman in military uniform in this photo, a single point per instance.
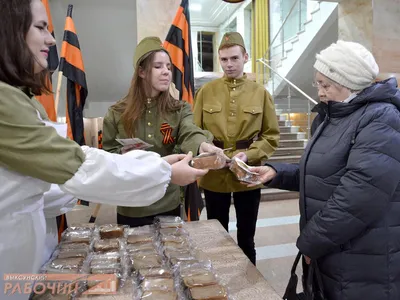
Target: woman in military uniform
pixel 150 113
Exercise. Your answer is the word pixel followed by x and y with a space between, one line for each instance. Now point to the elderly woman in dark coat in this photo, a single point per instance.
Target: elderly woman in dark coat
pixel 349 178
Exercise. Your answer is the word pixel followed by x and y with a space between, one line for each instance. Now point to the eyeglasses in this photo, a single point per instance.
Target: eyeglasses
pixel 320 85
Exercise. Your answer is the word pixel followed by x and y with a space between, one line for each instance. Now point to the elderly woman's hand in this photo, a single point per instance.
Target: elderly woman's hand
pixel 265 174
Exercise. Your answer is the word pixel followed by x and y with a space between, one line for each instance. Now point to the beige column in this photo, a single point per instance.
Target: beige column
pixel 375 24
pixel 154 17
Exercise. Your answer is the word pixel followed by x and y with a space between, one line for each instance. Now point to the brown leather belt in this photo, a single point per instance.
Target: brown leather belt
pixel 244 144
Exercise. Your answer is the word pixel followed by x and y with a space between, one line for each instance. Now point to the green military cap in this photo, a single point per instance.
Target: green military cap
pixel 232 39
pixel 147 45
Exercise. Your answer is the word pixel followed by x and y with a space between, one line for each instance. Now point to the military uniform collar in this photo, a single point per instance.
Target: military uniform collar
pixel 151 102
pixel 235 82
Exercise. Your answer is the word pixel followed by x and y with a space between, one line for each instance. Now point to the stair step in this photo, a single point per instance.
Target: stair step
pixel 289 151
pixel 292 143
pixel 276 194
pixel 293 136
pixel 289 129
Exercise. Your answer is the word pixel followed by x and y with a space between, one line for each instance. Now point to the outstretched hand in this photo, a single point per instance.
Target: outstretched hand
pixel 183 174
pixel 265 174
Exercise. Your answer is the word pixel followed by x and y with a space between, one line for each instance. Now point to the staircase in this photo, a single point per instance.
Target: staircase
pixel 291 147
pixel 294 57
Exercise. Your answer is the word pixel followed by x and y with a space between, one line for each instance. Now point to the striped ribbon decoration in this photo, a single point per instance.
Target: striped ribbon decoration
pixel 166 130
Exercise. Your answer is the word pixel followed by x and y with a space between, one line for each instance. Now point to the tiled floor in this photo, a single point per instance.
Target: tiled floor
pixel 277 230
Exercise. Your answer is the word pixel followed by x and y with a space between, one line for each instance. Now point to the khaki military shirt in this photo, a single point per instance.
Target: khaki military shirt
pixel 235 110
pixel 186 135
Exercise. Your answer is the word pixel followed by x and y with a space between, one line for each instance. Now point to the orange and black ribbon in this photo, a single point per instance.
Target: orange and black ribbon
pixel 100 139
pixel 179 46
pixel 71 64
pixel 166 130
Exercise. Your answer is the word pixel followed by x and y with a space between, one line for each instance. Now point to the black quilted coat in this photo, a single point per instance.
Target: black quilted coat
pixel 348 180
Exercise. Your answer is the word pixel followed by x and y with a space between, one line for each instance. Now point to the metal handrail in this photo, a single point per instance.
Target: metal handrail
pixel 280 28
pixel 261 60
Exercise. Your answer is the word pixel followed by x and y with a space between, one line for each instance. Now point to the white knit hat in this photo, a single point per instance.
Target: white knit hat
pixel 349 64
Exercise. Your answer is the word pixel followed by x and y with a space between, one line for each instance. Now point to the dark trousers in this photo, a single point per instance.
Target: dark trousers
pixel 142 221
pixel 246 206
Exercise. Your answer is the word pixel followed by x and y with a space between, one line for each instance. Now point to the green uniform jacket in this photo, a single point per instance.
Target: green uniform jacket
pixel 187 136
pixel 28 146
pixel 235 110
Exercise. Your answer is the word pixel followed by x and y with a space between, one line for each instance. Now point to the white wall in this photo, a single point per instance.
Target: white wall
pixel 240 15
pixel 107 32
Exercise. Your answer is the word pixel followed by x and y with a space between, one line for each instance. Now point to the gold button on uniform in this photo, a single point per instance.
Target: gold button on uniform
pixel 252 111
pixel 232 114
pixel 211 110
pixel 234 89
pixel 233 101
pixel 149 111
pixel 149 136
pixel 149 124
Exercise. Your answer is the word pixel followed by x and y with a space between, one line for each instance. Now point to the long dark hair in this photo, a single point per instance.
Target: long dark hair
pixel 133 105
pixel 16 59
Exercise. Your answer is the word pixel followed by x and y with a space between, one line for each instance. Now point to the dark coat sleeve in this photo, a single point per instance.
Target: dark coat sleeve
pixel 287 177
pixel 365 189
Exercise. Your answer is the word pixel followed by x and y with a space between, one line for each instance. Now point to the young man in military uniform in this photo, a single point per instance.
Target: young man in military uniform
pixel 241 116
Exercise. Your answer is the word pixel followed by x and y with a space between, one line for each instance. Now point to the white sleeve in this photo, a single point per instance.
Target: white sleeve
pixel 137 178
pixel 56 202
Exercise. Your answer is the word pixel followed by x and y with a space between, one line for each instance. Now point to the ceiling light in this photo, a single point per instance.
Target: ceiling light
pixel 195 7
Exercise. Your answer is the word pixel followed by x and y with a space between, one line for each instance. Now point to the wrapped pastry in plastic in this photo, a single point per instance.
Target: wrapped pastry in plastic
pixel 204 279
pixel 184 263
pixel 176 239
pixel 174 231
pixel 73 246
pixel 108 245
pixel 105 258
pixel 158 284
pixel 140 238
pixel 158 272
pixel 148 252
pixel 159 295
pixel 70 253
pixel 147 229
pixel 107 269
pixel 175 257
pixel 77 236
pixel 141 247
pixel 81 226
pixel 209 161
pixel 167 219
pixel 176 247
pixel 49 268
pixel 181 255
pixel 198 268
pixel 111 231
pixel 168 222
pixel 67 263
pixel 146 261
pixel 242 172
pixel 214 292
pixel 175 243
